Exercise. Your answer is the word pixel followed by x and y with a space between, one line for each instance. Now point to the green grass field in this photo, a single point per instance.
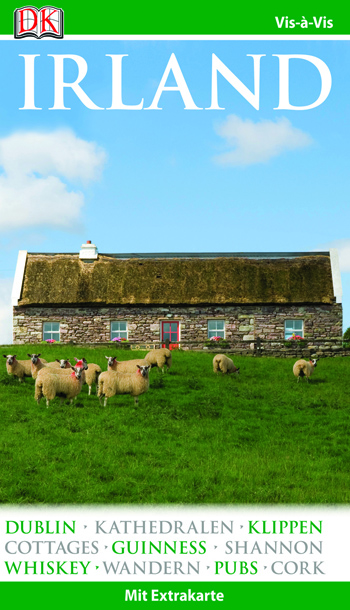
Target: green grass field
pixel 194 438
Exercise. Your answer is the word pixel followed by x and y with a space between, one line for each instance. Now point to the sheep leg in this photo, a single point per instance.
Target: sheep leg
pixel 89 390
pixel 136 399
pixel 105 402
pixel 61 402
pixel 47 402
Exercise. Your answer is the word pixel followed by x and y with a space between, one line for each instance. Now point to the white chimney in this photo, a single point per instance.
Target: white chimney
pixel 88 252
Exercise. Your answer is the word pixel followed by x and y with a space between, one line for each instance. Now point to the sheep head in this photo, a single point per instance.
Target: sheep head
pixel 64 364
pixel 77 372
pixel 10 359
pixel 143 370
pixel 111 360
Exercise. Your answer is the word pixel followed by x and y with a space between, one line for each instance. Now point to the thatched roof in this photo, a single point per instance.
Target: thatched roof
pixel 63 279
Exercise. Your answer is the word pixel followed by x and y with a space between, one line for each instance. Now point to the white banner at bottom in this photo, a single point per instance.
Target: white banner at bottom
pixel 167 543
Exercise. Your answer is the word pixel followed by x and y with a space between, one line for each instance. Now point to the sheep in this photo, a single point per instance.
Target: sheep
pixel 160 358
pixel 224 364
pixel 18 368
pixel 302 368
pixel 126 366
pixel 50 383
pixel 112 383
pixel 92 373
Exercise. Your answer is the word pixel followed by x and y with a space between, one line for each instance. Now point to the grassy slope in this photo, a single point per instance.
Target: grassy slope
pixel 195 437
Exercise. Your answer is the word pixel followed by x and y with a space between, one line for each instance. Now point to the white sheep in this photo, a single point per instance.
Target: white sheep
pixel 160 358
pixel 125 366
pixel 50 383
pixel 224 364
pixel 18 368
pixel 92 373
pixel 304 368
pixel 112 383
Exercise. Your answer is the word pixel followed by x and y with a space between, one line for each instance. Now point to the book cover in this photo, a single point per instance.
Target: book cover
pixel 174 287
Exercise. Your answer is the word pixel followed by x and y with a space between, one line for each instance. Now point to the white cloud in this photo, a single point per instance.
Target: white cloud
pixel 5 311
pixel 343 247
pixel 36 168
pixel 252 143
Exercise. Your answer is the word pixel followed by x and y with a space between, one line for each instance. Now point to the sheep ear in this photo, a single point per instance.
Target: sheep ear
pixel 138 366
pixel 57 360
pixel 6 356
pixel 39 355
pixel 107 357
pixel 76 359
pixel 29 355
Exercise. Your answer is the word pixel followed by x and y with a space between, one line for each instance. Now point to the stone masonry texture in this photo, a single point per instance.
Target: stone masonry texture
pixel 243 323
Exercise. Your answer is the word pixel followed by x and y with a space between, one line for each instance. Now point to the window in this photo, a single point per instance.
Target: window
pixel 119 330
pixel 216 328
pixel 170 330
pixel 293 327
pixel 51 331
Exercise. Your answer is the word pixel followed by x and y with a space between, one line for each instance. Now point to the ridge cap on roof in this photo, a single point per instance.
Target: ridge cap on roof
pixel 192 254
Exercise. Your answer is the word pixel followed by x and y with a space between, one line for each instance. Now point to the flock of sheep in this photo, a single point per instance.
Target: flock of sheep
pixel 60 378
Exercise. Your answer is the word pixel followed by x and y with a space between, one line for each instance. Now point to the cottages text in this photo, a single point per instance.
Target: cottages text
pixel 220 73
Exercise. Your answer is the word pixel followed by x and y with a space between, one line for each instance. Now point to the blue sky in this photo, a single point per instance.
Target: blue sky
pixel 236 179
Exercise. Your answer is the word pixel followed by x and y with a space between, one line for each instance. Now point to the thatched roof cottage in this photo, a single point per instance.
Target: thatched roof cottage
pixel 146 298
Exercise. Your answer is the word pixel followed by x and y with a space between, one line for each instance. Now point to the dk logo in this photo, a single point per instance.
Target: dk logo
pixel 30 21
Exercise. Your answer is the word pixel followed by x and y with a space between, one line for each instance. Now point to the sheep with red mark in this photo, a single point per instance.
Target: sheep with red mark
pixel 92 373
pixel 50 383
pixel 135 384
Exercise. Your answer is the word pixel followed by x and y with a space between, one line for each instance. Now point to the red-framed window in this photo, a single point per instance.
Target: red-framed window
pixel 170 330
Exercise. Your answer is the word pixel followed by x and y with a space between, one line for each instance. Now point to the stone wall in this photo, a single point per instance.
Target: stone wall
pixel 243 324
